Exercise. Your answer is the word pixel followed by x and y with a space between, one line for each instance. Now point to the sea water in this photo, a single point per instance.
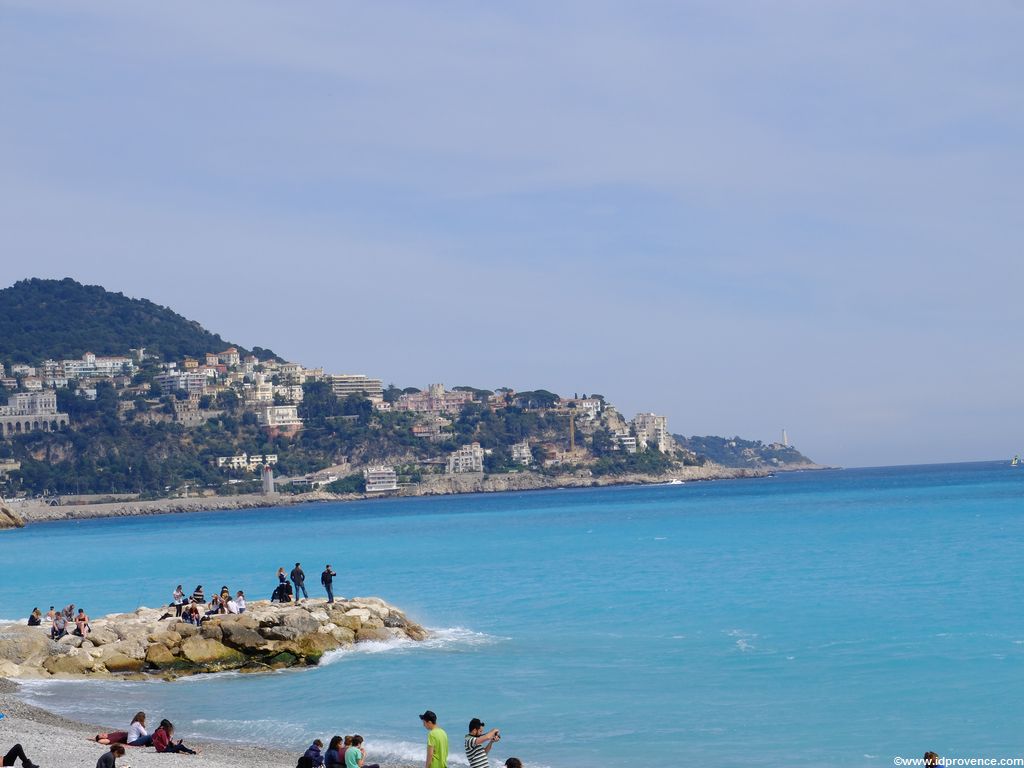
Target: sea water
pixel 827 618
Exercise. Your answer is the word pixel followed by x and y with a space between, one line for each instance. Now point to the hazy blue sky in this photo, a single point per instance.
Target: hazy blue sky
pixel 745 215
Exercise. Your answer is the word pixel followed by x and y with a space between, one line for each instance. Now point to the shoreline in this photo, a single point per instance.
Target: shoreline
pixel 52 739
pixel 445 485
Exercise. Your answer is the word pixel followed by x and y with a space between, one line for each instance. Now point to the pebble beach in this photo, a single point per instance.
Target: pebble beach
pixel 52 741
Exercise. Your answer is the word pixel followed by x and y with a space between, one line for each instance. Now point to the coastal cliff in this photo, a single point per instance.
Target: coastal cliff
pixel 267 636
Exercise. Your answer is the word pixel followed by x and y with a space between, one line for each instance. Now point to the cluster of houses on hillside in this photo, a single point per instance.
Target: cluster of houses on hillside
pixel 273 390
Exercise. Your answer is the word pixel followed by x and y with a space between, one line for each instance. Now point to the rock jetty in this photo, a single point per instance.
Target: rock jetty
pixel 267 636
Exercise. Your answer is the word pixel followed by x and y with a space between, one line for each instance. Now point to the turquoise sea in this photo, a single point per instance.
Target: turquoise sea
pixel 836 618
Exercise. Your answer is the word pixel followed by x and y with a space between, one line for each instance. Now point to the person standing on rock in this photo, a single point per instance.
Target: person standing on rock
pixel 327 579
pixel 299 580
pixel 437 741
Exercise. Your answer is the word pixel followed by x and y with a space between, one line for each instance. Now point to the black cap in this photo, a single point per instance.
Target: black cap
pixel 429 716
pixel 475 723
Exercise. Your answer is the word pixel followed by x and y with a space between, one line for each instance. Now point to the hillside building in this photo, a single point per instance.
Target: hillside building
pixel 469 458
pixel 345 384
pixel 31 412
pixel 380 478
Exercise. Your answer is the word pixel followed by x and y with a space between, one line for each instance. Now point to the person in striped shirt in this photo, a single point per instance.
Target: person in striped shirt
pixel 478 743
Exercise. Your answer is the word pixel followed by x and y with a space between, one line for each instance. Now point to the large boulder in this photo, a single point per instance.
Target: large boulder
pixel 373 634
pixel 211 630
pixel 343 635
pixel 24 645
pixel 103 636
pixel 169 638
pixel 349 622
pixel 159 656
pixel 118 663
pixel 206 652
pixel 9 518
pixel 280 633
pixel 70 664
pixel 186 630
pixel 74 641
pixel 243 638
pixel 300 620
pixel 313 646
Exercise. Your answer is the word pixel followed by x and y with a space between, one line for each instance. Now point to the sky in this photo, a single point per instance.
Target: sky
pixel 748 216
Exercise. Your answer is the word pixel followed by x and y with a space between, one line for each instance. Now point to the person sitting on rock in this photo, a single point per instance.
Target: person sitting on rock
pixel 17 753
pixel 197 596
pixel 50 614
pixel 191 615
pixel 107 758
pixel 225 593
pixel 215 606
pixel 35 618
pixel 58 627
pixel 163 740
pixel 69 612
pixel 82 623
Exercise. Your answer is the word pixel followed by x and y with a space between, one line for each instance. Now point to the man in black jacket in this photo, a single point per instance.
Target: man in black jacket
pixel 299 580
pixel 327 579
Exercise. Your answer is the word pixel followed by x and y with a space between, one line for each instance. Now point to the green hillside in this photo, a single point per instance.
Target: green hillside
pixel 737 452
pixel 60 319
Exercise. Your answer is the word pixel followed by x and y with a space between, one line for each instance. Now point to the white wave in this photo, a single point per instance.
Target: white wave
pixel 440 639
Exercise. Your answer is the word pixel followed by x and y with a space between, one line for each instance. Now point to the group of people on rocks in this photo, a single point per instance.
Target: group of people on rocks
pixel 62 621
pixel 291 585
pixel 161 739
pixel 194 610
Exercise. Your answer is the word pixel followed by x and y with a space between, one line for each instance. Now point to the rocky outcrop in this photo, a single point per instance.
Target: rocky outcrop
pixel 267 636
pixel 9 518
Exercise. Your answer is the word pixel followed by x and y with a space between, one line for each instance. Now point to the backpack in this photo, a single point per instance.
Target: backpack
pixel 305 762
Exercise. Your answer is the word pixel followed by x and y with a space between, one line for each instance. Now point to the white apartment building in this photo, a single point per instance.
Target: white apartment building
pixel 652 429
pixel 380 478
pixel 345 384
pixel 191 382
pixel 521 453
pixel 626 441
pixel 469 458
pixel 279 418
pixel 245 461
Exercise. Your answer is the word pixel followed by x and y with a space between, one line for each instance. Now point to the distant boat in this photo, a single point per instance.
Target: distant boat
pixel 1015 462
pixel 674 481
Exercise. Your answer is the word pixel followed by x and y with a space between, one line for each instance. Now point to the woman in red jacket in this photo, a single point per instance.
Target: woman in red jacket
pixel 162 739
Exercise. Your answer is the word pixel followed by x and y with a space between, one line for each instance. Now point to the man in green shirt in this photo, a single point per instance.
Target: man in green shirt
pixel 437 742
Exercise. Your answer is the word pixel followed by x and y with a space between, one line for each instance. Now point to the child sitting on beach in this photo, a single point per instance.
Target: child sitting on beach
pixel 162 740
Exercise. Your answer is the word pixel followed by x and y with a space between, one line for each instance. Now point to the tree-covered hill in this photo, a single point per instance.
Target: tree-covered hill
pixel 737 452
pixel 59 319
